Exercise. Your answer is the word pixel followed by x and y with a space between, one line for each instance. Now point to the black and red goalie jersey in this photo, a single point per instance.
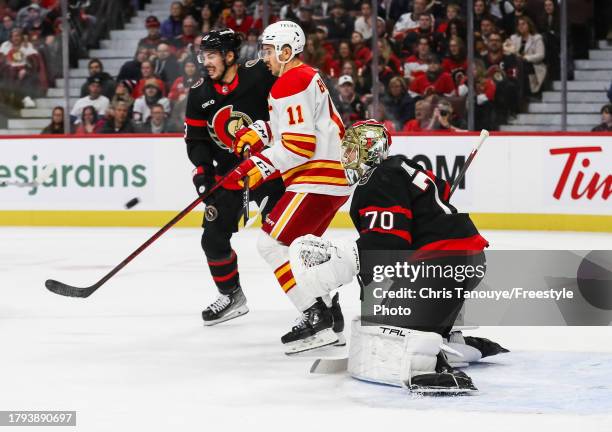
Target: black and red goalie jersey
pixel 216 111
pixel 400 206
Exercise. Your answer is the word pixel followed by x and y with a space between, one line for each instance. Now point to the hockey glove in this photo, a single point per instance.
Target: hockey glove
pixel 257 168
pixel 203 179
pixel 257 135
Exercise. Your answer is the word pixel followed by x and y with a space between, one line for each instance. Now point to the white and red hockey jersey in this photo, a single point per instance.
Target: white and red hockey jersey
pixel 306 134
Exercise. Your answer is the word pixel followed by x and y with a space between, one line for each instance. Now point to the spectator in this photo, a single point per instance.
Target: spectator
pixel 363 24
pixel 350 107
pixel 157 122
pixel 20 66
pixel 380 116
pixel 361 52
pixel 339 24
pixel 480 12
pixel 434 81
pixel 510 21
pixel 95 98
pixel 441 118
pixel 290 11
pixel 316 56
pixel 606 119
pixel 306 21
pixel 90 123
pixel 399 105
pixel 96 68
pixel 392 10
pixel 172 26
pixel 146 70
pixel 180 87
pixel 485 92
pixel 452 12
pixel 421 117
pixel 259 18
pixel 423 29
pixel 410 20
pixel 190 8
pixel 35 21
pixel 550 27
pixel 118 121
pixel 504 69
pixel 182 42
pixel 123 93
pixel 456 62
pixel 530 47
pixel 5 30
pixel 154 37
pixel 417 64
pixel 391 60
pixel 165 65
pixel 239 20
pixel 56 127
pixel 131 69
pixel 30 12
pixel 152 95
pixel 207 19
pixel 249 48
pixel 487 26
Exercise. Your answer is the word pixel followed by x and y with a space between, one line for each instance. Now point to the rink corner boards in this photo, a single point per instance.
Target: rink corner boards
pixel 121 218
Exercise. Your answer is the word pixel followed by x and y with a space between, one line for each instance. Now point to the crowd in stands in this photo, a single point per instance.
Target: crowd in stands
pixel 422 60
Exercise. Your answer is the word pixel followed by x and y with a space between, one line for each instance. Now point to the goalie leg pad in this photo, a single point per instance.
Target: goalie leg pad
pixel 391 355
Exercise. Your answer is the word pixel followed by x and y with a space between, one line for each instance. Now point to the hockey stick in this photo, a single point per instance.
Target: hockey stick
pixel 252 220
pixel 42 177
pixel 332 366
pixel 484 134
pixel 245 189
pixel 72 291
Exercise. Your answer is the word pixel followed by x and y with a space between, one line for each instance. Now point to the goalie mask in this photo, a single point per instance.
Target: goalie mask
pixel 365 145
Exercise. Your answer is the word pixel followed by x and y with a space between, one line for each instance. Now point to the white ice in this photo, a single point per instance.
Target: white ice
pixel 135 356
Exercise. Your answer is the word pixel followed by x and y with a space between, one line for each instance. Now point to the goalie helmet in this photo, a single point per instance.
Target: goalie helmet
pixel 282 33
pixel 365 145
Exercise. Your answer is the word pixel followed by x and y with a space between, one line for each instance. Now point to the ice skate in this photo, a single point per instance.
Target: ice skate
pixel 225 308
pixel 313 330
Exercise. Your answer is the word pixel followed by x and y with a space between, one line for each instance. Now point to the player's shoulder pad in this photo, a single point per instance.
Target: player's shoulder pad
pixel 293 82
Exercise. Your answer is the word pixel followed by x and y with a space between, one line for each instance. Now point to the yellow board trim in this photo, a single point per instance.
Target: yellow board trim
pixel 135 218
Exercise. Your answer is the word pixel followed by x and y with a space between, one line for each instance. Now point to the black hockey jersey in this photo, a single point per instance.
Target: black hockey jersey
pixel 401 206
pixel 216 111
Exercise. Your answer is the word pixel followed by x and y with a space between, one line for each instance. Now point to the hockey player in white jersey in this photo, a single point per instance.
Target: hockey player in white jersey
pixel 306 135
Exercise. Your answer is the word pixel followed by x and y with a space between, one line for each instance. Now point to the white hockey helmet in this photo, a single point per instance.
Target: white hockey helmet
pixel 283 33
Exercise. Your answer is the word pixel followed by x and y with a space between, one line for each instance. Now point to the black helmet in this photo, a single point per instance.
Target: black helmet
pixel 221 40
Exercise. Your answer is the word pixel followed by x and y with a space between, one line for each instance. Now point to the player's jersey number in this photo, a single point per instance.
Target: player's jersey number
pixel 295 114
pixel 380 219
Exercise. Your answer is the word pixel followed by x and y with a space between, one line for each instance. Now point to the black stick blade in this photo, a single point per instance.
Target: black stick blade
pixel 68 290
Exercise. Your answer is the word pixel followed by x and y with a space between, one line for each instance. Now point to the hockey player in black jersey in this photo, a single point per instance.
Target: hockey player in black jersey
pixel 230 101
pixel 398 206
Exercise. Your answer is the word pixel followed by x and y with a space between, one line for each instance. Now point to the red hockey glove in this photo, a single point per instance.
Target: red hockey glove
pixel 257 168
pixel 257 135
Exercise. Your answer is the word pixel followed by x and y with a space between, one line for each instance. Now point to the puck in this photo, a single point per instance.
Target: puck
pixel 131 203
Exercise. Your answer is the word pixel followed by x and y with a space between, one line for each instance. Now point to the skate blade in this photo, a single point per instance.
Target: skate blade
pixel 323 338
pixel 442 391
pixel 242 310
pixel 341 340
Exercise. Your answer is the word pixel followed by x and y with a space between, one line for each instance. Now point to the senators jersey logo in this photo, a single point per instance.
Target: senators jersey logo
pixel 225 124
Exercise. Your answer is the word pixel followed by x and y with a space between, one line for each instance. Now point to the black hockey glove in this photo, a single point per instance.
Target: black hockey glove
pixel 203 180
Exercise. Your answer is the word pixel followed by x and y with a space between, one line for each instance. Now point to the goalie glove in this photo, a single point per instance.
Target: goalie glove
pixel 256 136
pixel 320 265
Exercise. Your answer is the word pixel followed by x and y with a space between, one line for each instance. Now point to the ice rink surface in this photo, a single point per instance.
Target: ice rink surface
pixel 135 357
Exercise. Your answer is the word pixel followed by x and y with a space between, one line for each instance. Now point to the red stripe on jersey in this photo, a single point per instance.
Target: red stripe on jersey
pixel 195 122
pixel 446 194
pixel 318 172
pixel 393 209
pixel 293 81
pixel 474 243
pixel 226 277
pixel 405 235
pixel 335 118
pixel 229 260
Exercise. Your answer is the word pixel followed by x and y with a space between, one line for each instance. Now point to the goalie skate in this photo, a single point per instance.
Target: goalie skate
pixel 444 381
pixel 225 308
pixel 313 330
